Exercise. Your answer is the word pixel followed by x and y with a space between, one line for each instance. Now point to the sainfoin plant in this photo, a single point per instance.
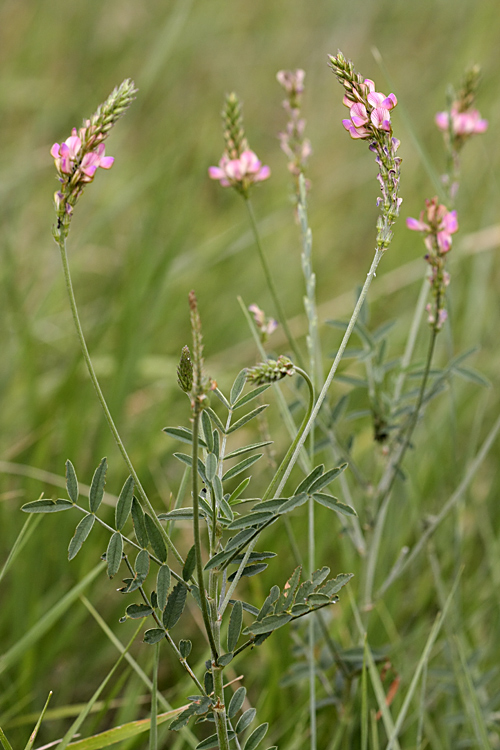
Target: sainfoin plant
pixel 226 512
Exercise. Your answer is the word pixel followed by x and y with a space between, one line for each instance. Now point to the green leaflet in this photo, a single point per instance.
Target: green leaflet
pixel 139 524
pixel 237 387
pixel 235 623
pixel 124 504
pixel 114 553
pixel 155 538
pixel 245 720
pixel 175 606
pixel 331 502
pixel 81 533
pixel 71 482
pixel 236 702
pixel 162 585
pixel 46 505
pixel 97 486
pixel 256 737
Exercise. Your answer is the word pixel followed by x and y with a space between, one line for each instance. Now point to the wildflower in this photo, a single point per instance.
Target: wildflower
pixel 266 326
pixel 370 109
pixel 241 172
pixel 437 224
pixel 79 157
pixel 370 119
pixel 239 167
pixel 293 144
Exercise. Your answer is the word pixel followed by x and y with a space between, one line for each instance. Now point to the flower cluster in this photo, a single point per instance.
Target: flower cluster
pixel 437 224
pixel 371 111
pixel 79 157
pixel 292 141
pixel 266 326
pixel 239 166
pixel 371 120
pixel 463 124
pixel 271 370
pixel 241 172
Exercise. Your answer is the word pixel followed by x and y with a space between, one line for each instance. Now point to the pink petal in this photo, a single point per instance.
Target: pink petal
pixel 390 102
pixel 381 118
pixel 368 82
pixel 375 98
pixel 74 144
pixel 441 120
pixel 107 162
pixel 215 173
pixel 443 241
pixel 263 174
pixel 358 115
pixel 416 225
pixel 450 222
pixel 54 151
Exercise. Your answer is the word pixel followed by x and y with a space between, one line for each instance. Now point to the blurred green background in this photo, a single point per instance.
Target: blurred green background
pixel 155 226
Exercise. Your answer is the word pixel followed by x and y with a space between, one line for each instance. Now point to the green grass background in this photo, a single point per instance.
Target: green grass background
pixel 153 228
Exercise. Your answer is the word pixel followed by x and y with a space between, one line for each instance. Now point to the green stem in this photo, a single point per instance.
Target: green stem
pixel 271 285
pixel 196 532
pixel 282 467
pixel 299 443
pixel 219 709
pixel 102 401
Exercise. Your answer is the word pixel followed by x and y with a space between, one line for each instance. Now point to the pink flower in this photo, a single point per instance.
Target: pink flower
pixel 435 222
pixel 241 172
pixel 462 123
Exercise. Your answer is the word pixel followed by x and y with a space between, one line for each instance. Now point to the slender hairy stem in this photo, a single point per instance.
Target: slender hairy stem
pixel 219 709
pixel 333 369
pixel 271 285
pixel 76 318
pixel 196 532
